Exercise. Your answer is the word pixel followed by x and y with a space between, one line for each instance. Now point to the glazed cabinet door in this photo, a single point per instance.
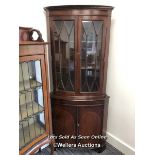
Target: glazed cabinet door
pixel 91 49
pixel 90 123
pixel 63 47
pixel 64 120
pixel 33 110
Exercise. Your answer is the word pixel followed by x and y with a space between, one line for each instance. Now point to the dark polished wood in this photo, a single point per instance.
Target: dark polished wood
pixel 32 51
pixel 80 118
pixel 80 10
pixel 90 123
pixel 24 33
pixel 64 120
pixel 79 112
pixel 80 7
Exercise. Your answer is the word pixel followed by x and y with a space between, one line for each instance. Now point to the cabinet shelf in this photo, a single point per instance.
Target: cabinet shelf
pixel 28 85
pixel 90 41
pixel 28 133
pixel 90 68
pixel 28 110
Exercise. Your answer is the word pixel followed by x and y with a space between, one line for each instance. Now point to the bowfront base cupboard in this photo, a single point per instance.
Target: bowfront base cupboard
pixel 79 45
pixel 85 122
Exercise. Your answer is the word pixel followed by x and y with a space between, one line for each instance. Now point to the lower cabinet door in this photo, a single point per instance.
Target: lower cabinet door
pixel 78 126
pixel 64 124
pixel 90 125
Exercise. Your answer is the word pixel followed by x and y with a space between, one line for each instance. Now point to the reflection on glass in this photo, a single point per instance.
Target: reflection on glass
pixel 91 47
pixel 64 54
pixel 31 107
pixel 31 128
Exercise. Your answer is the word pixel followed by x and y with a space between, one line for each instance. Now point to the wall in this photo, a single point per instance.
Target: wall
pixel 120 89
pixel 120 71
pixel 120 81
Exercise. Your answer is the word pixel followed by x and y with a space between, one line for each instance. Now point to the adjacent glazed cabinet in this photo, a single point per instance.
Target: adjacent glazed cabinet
pixel 79 44
pixel 34 107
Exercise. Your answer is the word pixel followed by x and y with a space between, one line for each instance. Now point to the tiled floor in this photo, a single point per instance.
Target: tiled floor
pixel 110 150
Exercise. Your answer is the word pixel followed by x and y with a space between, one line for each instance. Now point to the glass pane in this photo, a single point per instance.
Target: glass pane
pixel 91 48
pixel 64 54
pixel 31 128
pixel 31 107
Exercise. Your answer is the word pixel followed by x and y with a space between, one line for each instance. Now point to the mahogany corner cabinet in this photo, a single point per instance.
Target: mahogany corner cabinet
pixel 79 45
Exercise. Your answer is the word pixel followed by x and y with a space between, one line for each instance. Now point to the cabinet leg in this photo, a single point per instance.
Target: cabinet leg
pixel 100 149
pixel 52 147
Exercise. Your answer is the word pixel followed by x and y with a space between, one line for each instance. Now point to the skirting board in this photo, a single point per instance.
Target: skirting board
pixel 120 145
